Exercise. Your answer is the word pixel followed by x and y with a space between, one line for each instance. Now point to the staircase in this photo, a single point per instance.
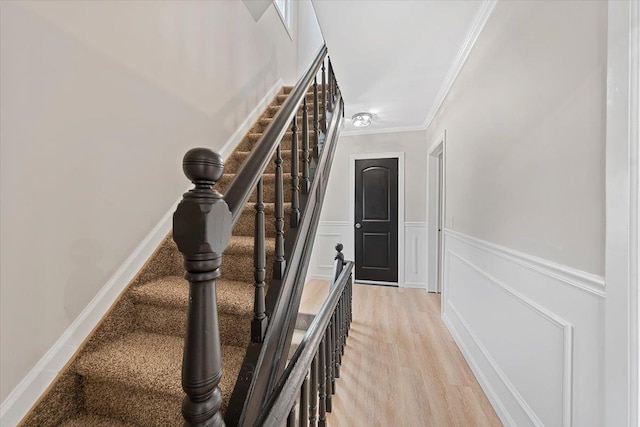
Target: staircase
pixel 129 372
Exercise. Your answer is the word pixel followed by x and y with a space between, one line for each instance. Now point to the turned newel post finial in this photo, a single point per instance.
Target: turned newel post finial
pixel 339 261
pixel 201 229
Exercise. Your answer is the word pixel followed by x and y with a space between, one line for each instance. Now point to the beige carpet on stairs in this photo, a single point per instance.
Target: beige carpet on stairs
pixel 128 372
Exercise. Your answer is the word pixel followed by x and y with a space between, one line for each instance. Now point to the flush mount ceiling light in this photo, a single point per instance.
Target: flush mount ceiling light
pixel 361 120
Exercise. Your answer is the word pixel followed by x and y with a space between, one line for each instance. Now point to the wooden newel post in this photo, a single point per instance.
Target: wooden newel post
pixel 202 229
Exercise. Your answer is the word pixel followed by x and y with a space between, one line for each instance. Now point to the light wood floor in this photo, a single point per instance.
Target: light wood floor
pixel 401 366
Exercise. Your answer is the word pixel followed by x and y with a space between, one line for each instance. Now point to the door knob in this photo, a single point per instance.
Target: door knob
pixel 358 225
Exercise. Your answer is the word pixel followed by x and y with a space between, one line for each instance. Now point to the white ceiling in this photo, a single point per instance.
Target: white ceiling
pixel 391 58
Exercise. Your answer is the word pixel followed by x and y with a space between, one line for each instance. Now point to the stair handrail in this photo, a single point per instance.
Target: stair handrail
pixel 336 308
pixel 246 178
pixel 285 295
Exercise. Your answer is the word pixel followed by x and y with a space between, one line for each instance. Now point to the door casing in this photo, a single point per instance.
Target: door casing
pixel 401 220
pixel 435 210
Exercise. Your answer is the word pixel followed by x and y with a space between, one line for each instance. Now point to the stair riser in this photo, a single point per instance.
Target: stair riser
pixel 236 160
pixel 272 111
pixel 249 142
pixel 262 124
pixel 134 406
pixel 269 194
pixel 282 98
pixel 234 330
pixel 240 267
pixel 246 224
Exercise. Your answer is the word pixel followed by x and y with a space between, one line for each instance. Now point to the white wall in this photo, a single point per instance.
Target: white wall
pixel 99 101
pixel 335 222
pixel 525 210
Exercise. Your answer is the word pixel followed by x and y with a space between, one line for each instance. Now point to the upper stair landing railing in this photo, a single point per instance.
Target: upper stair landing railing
pixel 313 368
pixel 203 223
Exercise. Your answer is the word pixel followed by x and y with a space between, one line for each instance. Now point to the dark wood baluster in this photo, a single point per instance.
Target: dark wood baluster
pixel 316 118
pixel 322 389
pixel 259 322
pixel 329 367
pixel 330 78
pixel 200 210
pixel 324 100
pixel 306 183
pixel 336 347
pixel 313 396
pixel 291 419
pixel 295 188
pixel 304 402
pixel 279 262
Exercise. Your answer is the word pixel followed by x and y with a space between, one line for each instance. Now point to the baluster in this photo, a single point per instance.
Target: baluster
pixel 295 200
pixel 259 322
pixel 304 402
pixel 330 78
pixel 336 349
pixel 313 396
pixel 329 367
pixel 279 262
pixel 324 100
pixel 322 390
pixel 334 352
pixel 291 419
pixel 306 184
pixel 316 118
pixel 202 209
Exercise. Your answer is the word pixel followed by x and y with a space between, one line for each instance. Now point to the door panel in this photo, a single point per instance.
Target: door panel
pixel 376 220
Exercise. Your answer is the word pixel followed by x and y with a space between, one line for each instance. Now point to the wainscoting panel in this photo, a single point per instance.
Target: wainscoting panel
pixel 415 254
pixel 531 330
pixel 412 258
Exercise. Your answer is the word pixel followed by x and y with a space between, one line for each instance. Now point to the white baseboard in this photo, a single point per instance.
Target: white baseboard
pixel 35 383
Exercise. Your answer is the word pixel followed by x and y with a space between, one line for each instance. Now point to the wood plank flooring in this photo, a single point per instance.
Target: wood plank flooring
pixel 401 366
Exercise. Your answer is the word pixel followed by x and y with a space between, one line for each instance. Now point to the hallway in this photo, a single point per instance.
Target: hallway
pixel 401 366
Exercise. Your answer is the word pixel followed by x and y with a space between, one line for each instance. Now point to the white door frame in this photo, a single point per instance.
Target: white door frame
pixel 352 203
pixel 621 247
pixel 433 187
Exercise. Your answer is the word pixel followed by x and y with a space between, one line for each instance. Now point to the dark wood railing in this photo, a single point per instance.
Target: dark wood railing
pixel 316 361
pixel 203 223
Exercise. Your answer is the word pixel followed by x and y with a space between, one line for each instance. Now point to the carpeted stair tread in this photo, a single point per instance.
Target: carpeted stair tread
pixel 151 363
pixel 244 245
pixel 95 421
pixel 173 291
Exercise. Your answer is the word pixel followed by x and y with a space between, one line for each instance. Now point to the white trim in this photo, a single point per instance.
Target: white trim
pixel 437 147
pixel 286 20
pixel 577 278
pixel 621 247
pixel 567 330
pixel 375 282
pixel 18 403
pixel 481 18
pixel 334 223
pixel 374 131
pixel 401 208
pixel 486 9
pixel 247 123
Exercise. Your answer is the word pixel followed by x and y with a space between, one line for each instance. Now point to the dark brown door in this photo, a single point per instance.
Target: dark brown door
pixel 376 220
